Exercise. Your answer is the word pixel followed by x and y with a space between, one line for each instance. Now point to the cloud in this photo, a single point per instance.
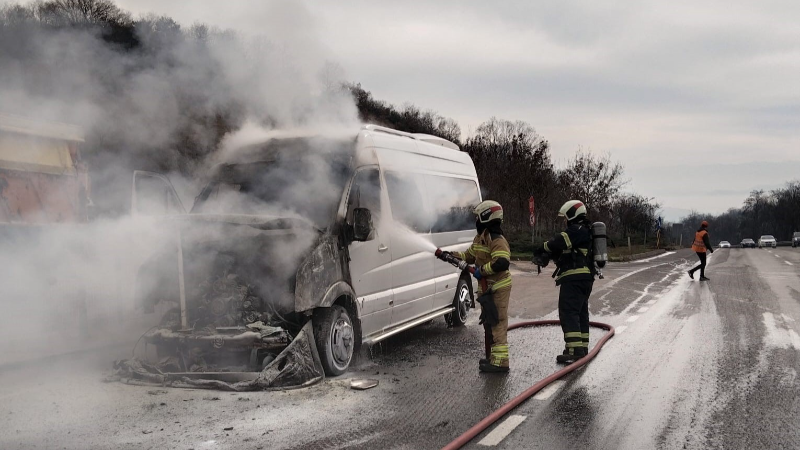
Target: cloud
pixel 647 81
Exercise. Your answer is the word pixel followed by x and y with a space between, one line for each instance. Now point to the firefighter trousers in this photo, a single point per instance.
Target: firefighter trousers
pixel 573 312
pixel 496 337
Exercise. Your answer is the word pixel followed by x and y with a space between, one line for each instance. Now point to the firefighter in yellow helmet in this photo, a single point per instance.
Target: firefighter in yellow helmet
pixel 572 252
pixel 491 255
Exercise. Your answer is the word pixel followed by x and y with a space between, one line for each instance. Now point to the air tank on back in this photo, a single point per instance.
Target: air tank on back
pixel 599 243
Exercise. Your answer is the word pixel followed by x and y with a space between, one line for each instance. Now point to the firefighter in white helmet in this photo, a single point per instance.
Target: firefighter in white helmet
pixel 572 252
pixel 491 255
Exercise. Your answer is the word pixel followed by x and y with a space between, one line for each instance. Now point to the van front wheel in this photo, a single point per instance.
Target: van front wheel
pixel 461 302
pixel 335 336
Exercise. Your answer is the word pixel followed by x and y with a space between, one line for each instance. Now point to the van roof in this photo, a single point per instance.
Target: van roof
pixel 417 136
pixel 417 152
pixel 397 148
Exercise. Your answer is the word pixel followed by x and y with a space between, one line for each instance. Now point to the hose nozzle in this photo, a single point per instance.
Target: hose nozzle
pixel 452 260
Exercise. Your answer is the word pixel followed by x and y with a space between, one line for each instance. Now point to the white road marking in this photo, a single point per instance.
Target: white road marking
pixel 777 255
pixel 548 391
pixel 652 302
pixel 787 262
pixel 643 309
pixel 632 318
pixel 654 257
pixel 501 431
pixel 620 329
pixel 779 335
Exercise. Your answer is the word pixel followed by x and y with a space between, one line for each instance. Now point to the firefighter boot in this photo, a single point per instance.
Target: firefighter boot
pixel 571 355
pixel 491 368
pixel 498 362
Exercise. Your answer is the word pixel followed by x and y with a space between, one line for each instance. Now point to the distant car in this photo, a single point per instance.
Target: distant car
pixel 748 243
pixel 767 241
pixel 724 244
pixel 796 239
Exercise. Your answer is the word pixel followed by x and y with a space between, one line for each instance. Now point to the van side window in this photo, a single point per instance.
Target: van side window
pixel 452 201
pixel 365 193
pixel 407 201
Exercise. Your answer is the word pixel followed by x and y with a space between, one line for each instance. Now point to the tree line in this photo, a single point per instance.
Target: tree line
pixel 94 56
pixel 775 213
pixel 513 162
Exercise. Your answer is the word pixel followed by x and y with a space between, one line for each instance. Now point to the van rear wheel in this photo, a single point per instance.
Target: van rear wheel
pixel 461 302
pixel 335 336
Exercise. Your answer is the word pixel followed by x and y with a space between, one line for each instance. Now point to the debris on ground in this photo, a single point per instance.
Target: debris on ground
pixel 363 384
pixel 298 365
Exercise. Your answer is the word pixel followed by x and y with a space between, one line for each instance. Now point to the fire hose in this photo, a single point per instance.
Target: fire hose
pixel 487 421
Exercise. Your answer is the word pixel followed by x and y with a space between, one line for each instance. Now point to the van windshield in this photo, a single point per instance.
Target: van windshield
pixel 298 180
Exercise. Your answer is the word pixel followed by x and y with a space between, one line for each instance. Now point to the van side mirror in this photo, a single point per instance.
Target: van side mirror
pixel 362 224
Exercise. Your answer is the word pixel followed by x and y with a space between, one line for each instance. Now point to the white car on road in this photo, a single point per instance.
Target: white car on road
pixel 724 244
pixel 767 241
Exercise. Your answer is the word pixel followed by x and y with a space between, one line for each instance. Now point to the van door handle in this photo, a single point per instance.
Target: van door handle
pixel 383 248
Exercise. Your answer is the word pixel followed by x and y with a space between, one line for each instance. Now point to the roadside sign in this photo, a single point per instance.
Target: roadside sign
pixel 531 209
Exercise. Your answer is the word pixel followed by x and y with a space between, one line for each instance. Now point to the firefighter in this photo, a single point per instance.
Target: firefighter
pixel 491 255
pixel 700 244
pixel 572 252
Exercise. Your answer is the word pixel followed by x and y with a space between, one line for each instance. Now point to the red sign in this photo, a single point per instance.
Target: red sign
pixel 532 218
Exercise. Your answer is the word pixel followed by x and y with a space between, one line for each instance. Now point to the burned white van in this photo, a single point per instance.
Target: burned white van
pixel 335 232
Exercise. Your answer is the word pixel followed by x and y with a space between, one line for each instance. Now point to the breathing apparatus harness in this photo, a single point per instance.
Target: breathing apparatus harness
pixel 595 258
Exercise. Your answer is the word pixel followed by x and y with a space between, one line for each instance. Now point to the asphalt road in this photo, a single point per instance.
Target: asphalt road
pixel 694 365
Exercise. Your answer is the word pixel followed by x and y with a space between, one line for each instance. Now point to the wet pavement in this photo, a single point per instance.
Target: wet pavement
pixel 694 365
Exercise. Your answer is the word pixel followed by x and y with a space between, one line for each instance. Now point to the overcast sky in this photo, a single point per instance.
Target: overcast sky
pixel 700 102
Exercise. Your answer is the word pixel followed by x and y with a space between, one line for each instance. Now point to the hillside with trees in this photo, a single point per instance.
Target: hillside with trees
pixel 155 95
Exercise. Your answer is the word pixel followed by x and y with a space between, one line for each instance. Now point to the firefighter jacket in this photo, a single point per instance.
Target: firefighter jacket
pixel 701 241
pixel 492 254
pixel 571 252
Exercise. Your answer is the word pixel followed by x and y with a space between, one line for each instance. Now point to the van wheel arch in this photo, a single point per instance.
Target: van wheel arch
pixel 333 327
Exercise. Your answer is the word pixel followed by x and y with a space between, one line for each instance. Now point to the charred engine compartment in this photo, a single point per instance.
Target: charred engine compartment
pixel 238 282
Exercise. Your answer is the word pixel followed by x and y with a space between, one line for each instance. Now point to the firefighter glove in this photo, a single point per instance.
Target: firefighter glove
pixel 540 257
pixel 477 273
pixel 489 314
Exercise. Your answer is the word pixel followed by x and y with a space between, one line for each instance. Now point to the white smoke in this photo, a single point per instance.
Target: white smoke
pixel 170 104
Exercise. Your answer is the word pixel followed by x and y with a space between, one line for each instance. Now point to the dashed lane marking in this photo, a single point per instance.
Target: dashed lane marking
pixel 643 309
pixel 632 318
pixel 652 302
pixel 620 329
pixel 787 262
pixel 501 431
pixel 548 391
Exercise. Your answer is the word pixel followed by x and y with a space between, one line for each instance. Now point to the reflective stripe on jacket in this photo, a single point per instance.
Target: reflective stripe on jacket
pixel 576 237
pixel 485 251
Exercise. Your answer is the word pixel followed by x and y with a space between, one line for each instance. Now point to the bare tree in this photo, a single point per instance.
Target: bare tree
pixel 81 12
pixel 597 180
